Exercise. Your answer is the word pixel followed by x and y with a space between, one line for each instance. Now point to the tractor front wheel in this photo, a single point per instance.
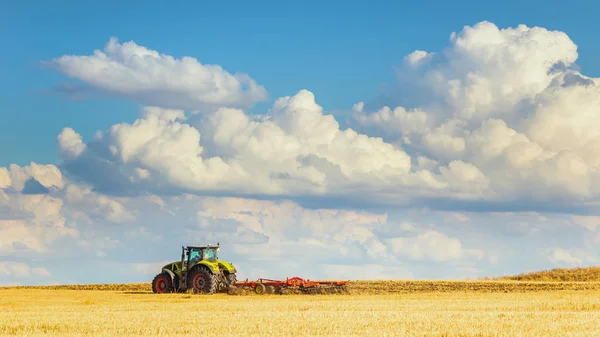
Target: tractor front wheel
pixel 203 281
pixel 231 278
pixel 162 283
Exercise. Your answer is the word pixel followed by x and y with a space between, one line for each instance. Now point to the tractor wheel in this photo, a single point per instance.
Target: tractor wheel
pixel 231 278
pixel 162 283
pixel 202 281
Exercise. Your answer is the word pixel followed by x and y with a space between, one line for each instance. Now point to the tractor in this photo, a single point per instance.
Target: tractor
pixel 199 270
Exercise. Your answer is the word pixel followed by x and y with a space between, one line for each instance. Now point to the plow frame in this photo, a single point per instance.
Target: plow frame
pixel 290 284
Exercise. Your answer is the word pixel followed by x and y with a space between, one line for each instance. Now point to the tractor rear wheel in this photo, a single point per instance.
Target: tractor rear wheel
pixel 203 281
pixel 162 283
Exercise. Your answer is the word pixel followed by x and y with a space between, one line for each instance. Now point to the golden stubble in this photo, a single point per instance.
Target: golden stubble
pixel 378 308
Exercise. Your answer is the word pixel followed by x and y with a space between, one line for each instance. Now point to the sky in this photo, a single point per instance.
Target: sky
pixel 372 140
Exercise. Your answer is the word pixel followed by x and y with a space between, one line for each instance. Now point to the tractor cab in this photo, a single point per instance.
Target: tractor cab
pixel 194 254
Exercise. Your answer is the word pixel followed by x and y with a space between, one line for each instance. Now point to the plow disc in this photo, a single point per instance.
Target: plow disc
pixel 293 285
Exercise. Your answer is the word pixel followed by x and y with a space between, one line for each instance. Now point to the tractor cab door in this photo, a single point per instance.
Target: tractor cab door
pixel 195 256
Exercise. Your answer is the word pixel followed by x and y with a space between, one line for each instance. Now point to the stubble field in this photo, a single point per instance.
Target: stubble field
pixel 376 308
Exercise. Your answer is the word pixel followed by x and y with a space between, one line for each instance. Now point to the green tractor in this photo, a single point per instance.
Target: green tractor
pixel 199 270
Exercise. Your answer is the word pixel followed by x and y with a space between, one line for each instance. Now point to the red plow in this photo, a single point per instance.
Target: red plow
pixel 290 285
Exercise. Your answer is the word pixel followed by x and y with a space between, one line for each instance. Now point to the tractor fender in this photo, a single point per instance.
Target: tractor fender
pixel 212 267
pixel 172 274
pixel 226 266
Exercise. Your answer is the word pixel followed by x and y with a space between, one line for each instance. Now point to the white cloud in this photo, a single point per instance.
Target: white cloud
pixel 153 78
pixel 166 114
pixel 358 107
pixel 295 150
pixel 21 270
pixel 365 272
pixel 485 71
pixel 96 205
pixel 150 269
pixel 589 222
pixel 5 181
pixel 266 224
pixel 519 123
pixel 562 256
pixel 282 237
pixel 429 245
pixel 488 119
pixel 70 143
pixel 48 176
pixel 31 222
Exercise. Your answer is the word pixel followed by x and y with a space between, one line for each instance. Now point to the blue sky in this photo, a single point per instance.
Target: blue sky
pixel 481 152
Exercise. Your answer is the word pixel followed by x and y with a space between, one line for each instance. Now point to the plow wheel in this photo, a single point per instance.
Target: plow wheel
pixel 270 290
pixel 162 284
pixel 260 289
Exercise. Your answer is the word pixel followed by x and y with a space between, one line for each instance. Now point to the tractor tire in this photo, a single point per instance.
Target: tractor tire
pixel 231 278
pixel 162 283
pixel 202 281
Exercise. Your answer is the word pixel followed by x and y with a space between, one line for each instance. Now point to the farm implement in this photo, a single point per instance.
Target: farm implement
pixel 200 270
pixel 290 285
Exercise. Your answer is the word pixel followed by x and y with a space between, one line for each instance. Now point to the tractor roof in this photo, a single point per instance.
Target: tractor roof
pixel 206 246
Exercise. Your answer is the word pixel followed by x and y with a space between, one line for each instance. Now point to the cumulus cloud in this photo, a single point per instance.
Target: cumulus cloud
pixel 428 245
pixel 5 181
pixel 488 120
pixel 80 223
pixel 294 150
pixel 31 222
pixel 70 143
pixel 20 269
pixel 263 229
pixel 274 238
pixel 485 71
pixel 152 78
pixel 575 257
pixel 492 113
pixel 96 205
pixel 34 178
pixel 366 272
pixel 590 222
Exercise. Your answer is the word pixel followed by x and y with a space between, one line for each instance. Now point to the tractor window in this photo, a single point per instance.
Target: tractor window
pixel 195 256
pixel 209 254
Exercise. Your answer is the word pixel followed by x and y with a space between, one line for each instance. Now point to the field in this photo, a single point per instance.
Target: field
pixel 372 308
